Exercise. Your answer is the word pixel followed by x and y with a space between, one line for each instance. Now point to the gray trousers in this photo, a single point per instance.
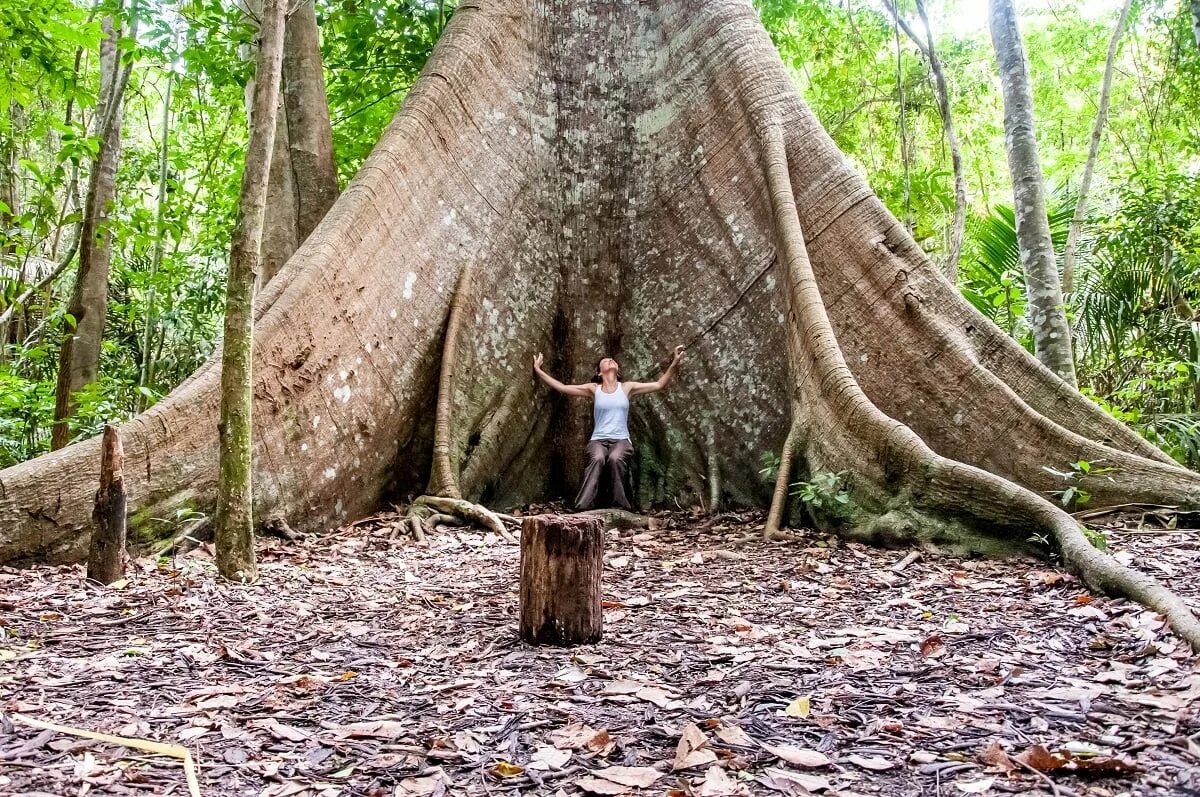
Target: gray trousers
pixel 606 459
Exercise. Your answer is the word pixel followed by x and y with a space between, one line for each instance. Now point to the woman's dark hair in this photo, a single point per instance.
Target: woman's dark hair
pixel 596 377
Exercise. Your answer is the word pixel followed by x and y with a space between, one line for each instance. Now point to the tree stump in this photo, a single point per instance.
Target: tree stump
pixel 106 557
pixel 562 558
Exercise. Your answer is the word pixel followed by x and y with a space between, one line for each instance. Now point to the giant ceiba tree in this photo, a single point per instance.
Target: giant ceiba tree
pixel 588 177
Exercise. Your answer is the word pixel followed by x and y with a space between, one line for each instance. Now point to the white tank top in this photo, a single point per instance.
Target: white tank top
pixel 610 414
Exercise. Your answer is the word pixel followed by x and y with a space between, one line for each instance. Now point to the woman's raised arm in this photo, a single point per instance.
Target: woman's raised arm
pixel 638 388
pixel 581 391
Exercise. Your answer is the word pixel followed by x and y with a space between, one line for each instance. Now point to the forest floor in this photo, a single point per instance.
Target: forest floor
pixel 363 665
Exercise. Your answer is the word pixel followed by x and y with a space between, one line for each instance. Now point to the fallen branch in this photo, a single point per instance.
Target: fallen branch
pixel 145 745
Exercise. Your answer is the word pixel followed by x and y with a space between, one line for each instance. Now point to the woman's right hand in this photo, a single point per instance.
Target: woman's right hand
pixel 537 361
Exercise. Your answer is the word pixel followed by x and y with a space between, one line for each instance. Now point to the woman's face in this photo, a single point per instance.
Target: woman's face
pixel 608 364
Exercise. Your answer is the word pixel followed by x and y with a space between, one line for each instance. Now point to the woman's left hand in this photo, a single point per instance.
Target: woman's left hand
pixel 678 353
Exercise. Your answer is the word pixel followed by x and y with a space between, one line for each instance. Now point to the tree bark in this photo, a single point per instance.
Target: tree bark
pixel 303 181
pixel 1047 315
pixel 107 558
pixel 9 195
pixel 562 561
pixel 1085 182
pixel 79 358
pixel 234 517
pixel 603 216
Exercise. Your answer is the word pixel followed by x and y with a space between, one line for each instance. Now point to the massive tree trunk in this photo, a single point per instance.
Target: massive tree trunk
pixel 79 358
pixel 303 181
pixel 1089 168
pixel 620 179
pixel 1047 315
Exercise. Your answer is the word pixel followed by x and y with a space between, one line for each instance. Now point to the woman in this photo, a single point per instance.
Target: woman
pixel 609 449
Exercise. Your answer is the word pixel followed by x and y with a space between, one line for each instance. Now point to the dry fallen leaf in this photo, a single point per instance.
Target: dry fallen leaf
pixel 547 757
pixel 786 782
pixel 870 762
pixel 600 786
pixel 994 756
pixel 693 750
pixel 281 731
pixel 640 777
pixel 733 734
pixel 503 769
pixel 718 784
pixel 799 756
pixel 382 729
pixel 799 707
pixel 975 786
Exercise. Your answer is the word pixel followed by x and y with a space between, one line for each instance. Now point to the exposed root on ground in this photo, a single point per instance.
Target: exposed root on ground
pixel 429 511
pixel 902 490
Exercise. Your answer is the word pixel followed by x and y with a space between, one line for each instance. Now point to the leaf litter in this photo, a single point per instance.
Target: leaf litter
pixel 364 664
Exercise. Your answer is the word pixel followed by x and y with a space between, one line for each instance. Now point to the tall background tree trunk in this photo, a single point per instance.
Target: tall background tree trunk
pixel 79 358
pixel 928 49
pixel 303 182
pixel 1089 168
pixel 1047 315
pixel 1196 21
pixel 235 517
pixel 10 197
pixel 146 372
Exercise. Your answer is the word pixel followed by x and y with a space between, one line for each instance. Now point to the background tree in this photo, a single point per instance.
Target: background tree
pixel 1048 318
pixel 79 360
pixel 234 517
pixel 1085 182
pixel 303 180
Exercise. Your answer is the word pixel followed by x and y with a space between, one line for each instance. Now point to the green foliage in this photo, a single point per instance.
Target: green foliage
pixel 1073 496
pixel 825 494
pixel 373 53
pixel 990 274
pixel 1096 537
pixel 770 462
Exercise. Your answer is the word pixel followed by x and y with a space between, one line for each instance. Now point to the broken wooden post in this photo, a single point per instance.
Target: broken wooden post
pixel 106 558
pixel 562 557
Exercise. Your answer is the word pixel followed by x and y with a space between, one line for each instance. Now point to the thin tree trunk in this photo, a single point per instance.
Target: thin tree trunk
pixel 960 179
pixel 1196 20
pixel 303 181
pixel 927 49
pixel 9 196
pixel 146 374
pixel 904 156
pixel 79 358
pixel 234 517
pixel 1051 334
pixel 1085 183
